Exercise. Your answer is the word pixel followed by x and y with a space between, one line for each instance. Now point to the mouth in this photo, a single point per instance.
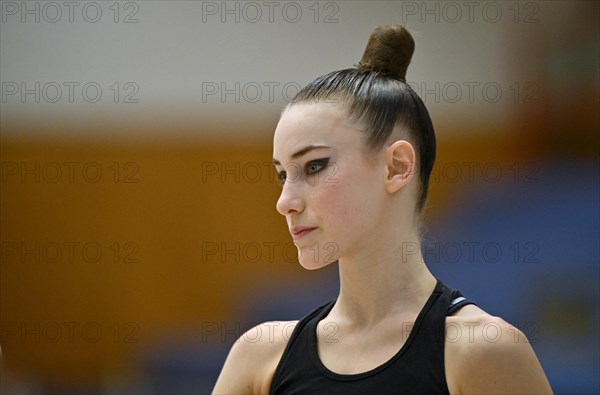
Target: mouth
pixel 300 232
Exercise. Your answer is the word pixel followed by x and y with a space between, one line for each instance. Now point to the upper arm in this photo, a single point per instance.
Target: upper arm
pixel 500 360
pixel 252 360
pixel 237 373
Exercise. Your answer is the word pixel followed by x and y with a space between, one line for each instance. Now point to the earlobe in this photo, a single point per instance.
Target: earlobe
pixel 400 164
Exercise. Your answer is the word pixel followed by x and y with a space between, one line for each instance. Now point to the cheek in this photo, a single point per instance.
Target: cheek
pixel 348 205
pixel 333 202
pixel 347 211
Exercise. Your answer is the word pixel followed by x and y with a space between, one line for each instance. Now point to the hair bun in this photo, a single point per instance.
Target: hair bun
pixel 389 51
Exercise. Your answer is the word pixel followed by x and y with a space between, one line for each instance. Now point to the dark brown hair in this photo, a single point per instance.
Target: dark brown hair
pixel 376 93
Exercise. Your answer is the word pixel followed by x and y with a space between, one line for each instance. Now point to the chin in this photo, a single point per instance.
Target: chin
pixel 312 257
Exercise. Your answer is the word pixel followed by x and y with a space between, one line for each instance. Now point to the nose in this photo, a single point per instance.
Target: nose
pixel 290 200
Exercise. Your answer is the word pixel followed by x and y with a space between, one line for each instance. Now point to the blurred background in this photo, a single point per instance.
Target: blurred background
pixel 139 236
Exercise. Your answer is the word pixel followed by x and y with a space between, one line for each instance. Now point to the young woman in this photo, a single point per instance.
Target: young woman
pixel 354 151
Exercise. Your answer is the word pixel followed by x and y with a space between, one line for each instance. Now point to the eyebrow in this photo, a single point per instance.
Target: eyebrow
pixel 302 152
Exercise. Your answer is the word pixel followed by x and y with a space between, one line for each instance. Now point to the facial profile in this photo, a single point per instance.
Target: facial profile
pixel 335 190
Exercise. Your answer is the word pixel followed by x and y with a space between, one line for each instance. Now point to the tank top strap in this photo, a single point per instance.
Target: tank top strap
pixel 456 298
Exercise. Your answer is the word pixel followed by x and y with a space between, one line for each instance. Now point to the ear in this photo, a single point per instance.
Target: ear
pixel 401 166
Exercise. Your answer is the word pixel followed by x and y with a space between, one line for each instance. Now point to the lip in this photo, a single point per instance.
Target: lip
pixel 300 231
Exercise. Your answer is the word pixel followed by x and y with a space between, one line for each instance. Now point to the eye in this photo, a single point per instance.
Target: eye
pixel 316 166
pixel 281 176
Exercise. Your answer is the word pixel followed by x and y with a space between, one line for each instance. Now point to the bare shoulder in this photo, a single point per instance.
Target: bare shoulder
pixel 487 355
pixel 253 358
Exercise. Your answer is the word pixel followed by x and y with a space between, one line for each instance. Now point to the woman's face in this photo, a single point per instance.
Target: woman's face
pixel 333 190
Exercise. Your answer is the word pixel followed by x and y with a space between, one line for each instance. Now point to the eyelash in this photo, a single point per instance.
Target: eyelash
pixel 322 163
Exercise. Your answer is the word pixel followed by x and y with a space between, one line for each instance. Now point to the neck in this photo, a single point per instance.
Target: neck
pixel 391 278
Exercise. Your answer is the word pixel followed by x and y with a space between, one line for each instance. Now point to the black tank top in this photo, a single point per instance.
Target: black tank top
pixel 417 368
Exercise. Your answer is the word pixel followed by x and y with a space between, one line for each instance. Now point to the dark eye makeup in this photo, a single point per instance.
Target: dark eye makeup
pixel 310 168
pixel 281 177
pixel 315 166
